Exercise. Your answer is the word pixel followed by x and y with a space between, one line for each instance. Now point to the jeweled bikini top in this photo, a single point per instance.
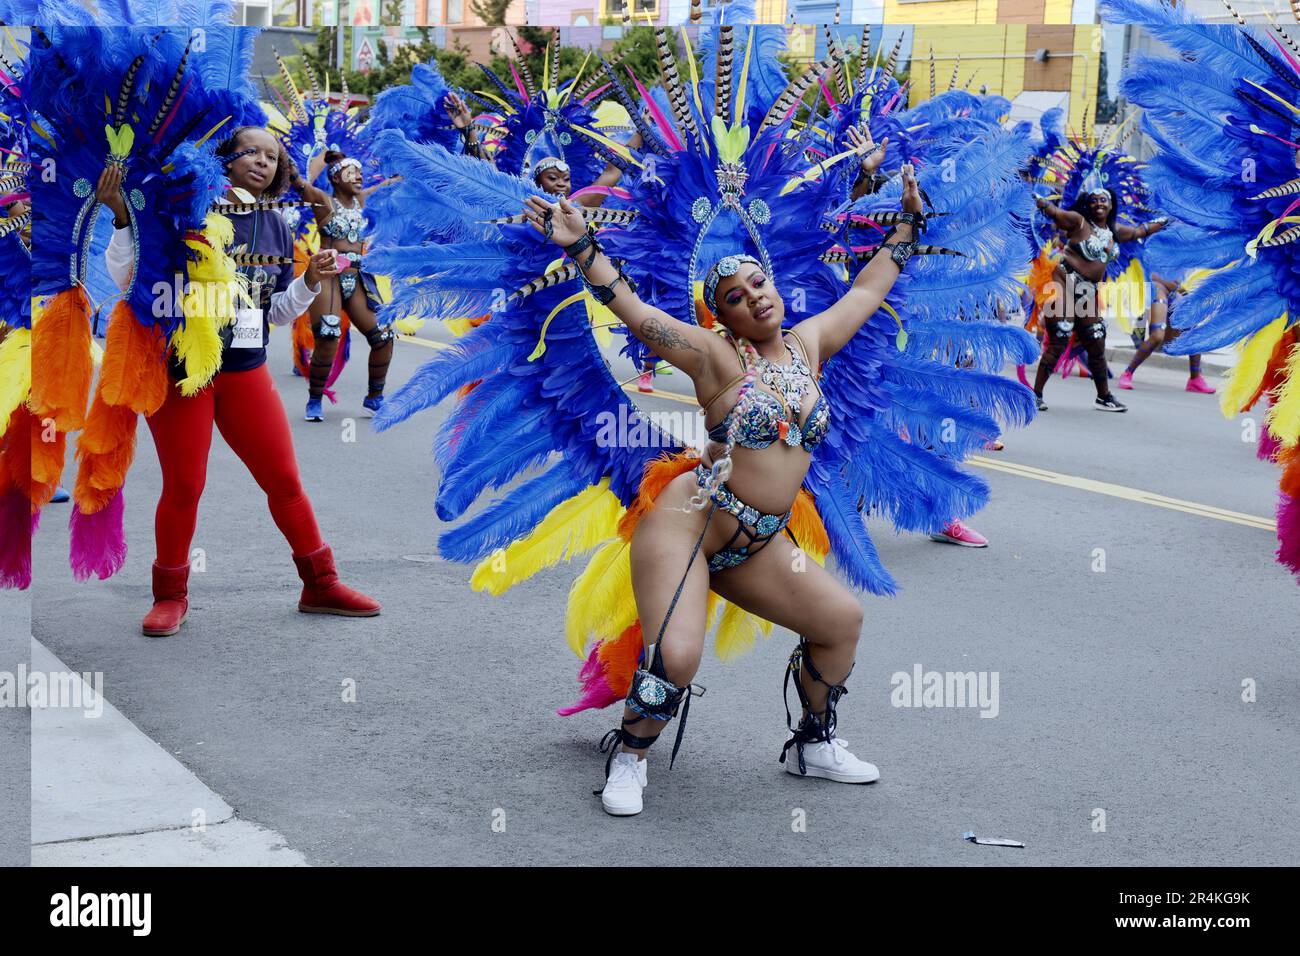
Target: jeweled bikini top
pixel 766 420
pixel 347 222
pixel 1100 246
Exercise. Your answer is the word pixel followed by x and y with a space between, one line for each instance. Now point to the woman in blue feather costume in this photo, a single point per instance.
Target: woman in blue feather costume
pixel 721 201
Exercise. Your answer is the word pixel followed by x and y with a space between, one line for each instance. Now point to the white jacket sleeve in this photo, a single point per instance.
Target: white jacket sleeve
pixel 292 302
pixel 118 257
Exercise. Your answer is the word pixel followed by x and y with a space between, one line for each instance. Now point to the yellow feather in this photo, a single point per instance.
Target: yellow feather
pixel 15 373
pixel 1241 382
pixel 736 632
pixel 571 528
pixel 408 326
pixel 458 327
pixel 209 305
pixel 1125 297
pixel 1284 417
pixel 601 603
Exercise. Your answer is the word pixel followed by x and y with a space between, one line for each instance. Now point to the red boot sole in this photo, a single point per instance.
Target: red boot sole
pixel 337 611
pixel 147 632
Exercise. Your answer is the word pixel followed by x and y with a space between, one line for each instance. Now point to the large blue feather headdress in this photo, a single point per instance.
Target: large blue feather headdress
pixel 152 103
pixel 539 120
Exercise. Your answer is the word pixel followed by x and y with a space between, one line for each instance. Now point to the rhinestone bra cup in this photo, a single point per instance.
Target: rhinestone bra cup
pixel 347 222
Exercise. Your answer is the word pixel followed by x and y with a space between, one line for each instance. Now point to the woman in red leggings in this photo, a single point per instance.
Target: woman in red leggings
pixel 240 400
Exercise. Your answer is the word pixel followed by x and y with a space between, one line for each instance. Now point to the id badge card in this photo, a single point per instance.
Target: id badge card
pixel 247 330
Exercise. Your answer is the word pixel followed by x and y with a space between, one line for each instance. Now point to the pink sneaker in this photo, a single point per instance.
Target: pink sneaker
pixel 958 533
pixel 1198 384
pixel 643 383
pixel 1125 381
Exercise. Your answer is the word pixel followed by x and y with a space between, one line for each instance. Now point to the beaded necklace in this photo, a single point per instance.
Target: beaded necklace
pixel 790 382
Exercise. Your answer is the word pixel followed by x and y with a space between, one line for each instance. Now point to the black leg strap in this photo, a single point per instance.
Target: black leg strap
pixel 620 735
pixel 652 695
pixel 814 726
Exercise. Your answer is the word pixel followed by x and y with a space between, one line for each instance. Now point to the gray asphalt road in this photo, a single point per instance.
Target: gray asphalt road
pixel 15 735
pixel 1119 691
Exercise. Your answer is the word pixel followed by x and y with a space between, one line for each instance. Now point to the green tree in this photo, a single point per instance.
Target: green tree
pixel 491 12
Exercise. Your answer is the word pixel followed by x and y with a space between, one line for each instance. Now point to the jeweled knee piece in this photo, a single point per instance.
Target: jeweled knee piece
pixel 653 697
pixel 331 327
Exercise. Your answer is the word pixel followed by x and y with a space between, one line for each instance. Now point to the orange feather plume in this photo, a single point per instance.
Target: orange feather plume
pixel 105 450
pixel 134 371
pixel 34 464
pixel 806 525
pixel 61 362
pixel 1289 459
pixel 303 343
pixel 1275 370
pixel 619 657
pixel 1040 282
pixel 658 473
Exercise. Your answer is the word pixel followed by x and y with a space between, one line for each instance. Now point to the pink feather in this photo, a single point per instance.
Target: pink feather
pixel 595 93
pixel 523 91
pixel 98 543
pixel 830 99
pixel 172 113
pixel 1294 65
pixel 1288 533
pixel 596 692
pixel 17 526
pixel 661 121
pixel 617 192
pixel 1268 445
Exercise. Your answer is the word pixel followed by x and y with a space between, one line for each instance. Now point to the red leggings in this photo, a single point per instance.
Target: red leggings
pixel 248 411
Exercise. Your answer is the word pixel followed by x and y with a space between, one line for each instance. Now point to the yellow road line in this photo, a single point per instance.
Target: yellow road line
pixel 427 343
pixel 1028 471
pixel 1128 494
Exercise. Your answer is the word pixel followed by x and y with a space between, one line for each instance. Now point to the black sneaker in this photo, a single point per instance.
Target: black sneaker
pixel 1038 399
pixel 1109 404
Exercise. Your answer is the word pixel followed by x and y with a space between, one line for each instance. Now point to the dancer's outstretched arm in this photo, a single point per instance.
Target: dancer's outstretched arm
pixel 1066 220
pixel 687 347
pixel 829 331
pixel 1130 233
pixel 610 177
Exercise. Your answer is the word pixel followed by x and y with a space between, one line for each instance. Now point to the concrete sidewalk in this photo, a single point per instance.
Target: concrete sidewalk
pixel 104 794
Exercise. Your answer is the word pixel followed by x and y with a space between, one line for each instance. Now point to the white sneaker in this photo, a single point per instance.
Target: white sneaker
pixel 832 760
pixel 622 794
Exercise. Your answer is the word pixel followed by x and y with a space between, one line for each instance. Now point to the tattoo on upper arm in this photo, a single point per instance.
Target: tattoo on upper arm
pixel 655 332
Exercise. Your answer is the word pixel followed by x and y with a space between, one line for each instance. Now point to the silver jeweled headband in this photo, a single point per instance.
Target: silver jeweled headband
pixel 726 266
pixel 550 162
pixel 342 164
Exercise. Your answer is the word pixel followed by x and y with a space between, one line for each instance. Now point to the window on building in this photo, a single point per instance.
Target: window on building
pixel 252 13
pixel 613 9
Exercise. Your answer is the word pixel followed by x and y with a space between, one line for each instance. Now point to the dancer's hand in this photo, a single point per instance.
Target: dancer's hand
pixel 564 219
pixel 321 264
pixel 871 154
pixel 109 191
pixel 911 191
pixel 458 111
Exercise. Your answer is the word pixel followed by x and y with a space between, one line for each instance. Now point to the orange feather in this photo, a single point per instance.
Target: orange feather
pixel 134 371
pixel 61 362
pixel 658 473
pixel 1275 370
pixel 35 464
pixel 105 451
pixel 1289 459
pixel 303 343
pixel 619 657
pixel 1040 282
pixel 806 525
